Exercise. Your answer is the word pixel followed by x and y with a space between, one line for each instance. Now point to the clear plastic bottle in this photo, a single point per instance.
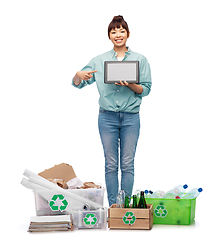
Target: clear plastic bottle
pixel 170 195
pixel 120 199
pixel 176 191
pixel 157 194
pixel 137 193
pixel 180 189
pixel 195 192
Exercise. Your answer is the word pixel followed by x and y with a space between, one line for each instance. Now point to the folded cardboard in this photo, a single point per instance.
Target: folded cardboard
pixel 62 171
pixel 64 176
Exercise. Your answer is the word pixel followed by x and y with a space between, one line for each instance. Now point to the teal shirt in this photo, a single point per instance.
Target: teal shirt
pixel 113 97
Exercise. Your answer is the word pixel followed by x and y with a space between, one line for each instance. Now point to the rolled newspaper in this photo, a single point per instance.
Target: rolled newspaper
pixel 45 193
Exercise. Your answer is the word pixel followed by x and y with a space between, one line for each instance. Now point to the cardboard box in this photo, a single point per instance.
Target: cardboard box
pixel 59 172
pixel 130 218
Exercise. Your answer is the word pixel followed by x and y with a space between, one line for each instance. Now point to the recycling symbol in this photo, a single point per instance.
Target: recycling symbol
pixel 90 219
pixel 129 218
pixel 160 211
pixel 58 203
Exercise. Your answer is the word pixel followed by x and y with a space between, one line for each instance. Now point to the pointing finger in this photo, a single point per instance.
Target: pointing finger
pixel 92 71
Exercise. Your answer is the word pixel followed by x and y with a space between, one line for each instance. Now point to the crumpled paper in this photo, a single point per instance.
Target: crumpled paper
pixel 90 185
pixel 60 182
pixel 74 183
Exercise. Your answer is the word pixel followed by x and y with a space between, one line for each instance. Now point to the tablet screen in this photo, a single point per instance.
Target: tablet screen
pixel 121 70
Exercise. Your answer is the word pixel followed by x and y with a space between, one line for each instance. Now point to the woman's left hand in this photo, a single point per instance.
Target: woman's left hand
pixel 122 83
pixel 134 87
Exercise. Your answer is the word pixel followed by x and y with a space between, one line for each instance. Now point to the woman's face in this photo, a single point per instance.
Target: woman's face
pixel 118 36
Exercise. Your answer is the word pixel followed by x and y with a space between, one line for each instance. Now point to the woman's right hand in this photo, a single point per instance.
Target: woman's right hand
pixel 85 75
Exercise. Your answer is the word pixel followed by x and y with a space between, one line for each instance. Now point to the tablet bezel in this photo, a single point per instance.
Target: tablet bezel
pixel 106 63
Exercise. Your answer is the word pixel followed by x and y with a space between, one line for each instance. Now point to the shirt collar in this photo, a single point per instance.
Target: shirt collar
pixel 114 53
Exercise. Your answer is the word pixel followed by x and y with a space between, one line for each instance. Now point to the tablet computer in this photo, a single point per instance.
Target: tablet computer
pixel 128 71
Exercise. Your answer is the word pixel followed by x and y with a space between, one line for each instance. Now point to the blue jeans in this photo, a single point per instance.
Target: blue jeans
pixel 119 132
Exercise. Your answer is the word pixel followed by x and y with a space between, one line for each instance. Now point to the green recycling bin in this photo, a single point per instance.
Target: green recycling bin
pixel 173 211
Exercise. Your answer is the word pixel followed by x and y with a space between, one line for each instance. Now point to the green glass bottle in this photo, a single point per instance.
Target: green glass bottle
pixel 134 201
pixel 126 203
pixel 142 202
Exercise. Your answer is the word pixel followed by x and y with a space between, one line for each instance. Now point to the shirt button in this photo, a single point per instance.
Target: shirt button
pixel 117 90
pixel 116 101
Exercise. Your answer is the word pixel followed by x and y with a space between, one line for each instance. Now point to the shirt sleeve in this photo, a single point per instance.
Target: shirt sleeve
pixel 145 77
pixel 89 67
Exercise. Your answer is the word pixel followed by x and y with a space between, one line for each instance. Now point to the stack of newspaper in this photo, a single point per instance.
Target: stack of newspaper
pixel 51 223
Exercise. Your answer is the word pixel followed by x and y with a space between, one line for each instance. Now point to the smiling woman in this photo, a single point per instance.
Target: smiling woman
pixel 119 121
pixel 118 33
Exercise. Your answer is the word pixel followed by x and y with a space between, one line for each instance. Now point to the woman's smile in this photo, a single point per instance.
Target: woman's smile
pixel 119 40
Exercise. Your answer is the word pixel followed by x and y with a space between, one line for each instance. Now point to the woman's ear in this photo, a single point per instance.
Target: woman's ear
pixel 128 35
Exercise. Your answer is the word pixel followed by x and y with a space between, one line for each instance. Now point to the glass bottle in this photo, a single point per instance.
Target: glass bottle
pixel 134 201
pixel 142 202
pixel 126 203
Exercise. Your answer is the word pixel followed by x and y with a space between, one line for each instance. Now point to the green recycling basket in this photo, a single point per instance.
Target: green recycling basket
pixel 173 211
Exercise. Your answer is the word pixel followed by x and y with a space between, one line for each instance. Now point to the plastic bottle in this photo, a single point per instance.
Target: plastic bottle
pixel 195 192
pixel 157 194
pixel 180 189
pixel 120 199
pixel 176 191
pixel 86 207
pixel 137 192
pixel 148 194
pixel 170 195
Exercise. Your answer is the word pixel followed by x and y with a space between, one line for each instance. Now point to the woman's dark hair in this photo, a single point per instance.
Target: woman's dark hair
pixel 117 22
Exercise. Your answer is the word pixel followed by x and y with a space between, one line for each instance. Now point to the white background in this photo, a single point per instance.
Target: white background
pixel 46 121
